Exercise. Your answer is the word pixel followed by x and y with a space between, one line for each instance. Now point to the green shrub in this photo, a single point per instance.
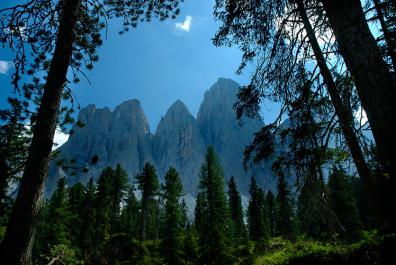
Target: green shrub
pixel 371 250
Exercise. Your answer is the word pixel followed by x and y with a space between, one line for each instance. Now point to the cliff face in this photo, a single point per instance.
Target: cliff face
pixel 178 142
pixel 217 121
pixel 123 136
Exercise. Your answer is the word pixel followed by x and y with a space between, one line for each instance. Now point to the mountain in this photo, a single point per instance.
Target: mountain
pixel 220 128
pixel 123 136
pixel 178 142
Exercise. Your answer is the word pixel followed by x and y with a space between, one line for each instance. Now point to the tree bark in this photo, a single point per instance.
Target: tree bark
pixel 385 30
pixel 344 114
pixel 17 244
pixel 375 86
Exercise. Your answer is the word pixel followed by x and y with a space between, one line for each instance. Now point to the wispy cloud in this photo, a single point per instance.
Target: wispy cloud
pixel 5 66
pixel 185 25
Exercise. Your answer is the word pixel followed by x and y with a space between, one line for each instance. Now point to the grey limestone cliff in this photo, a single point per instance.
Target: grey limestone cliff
pixel 123 136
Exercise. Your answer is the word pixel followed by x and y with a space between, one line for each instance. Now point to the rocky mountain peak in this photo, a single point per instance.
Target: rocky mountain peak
pixel 224 89
pixel 122 136
pixel 130 116
pixel 177 115
pixel 178 105
pixel 178 143
pixel 129 106
pixel 178 109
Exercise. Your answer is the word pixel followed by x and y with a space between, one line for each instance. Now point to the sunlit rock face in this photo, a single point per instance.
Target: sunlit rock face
pixel 220 128
pixel 178 142
pixel 123 136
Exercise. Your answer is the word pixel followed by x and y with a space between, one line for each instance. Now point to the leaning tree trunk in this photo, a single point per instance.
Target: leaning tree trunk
pixel 17 244
pixel 375 86
pixel 344 114
pixel 387 34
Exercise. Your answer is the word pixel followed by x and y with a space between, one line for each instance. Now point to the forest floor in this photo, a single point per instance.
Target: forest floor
pixel 371 250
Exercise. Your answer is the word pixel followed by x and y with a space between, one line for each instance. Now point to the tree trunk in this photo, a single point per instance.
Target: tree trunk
pixel 344 114
pixel 385 30
pixel 375 86
pixel 17 244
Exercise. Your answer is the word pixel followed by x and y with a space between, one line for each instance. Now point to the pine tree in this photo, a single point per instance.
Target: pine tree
pixel 284 211
pixel 104 206
pixel 148 184
pixel 58 216
pixel 172 243
pixel 257 216
pixel 130 215
pixel 271 210
pixel 343 203
pixel 190 247
pixel 88 233
pixel 200 213
pixel 14 142
pixel 119 191
pixel 184 209
pixel 75 202
pixel 238 229
pixel 214 232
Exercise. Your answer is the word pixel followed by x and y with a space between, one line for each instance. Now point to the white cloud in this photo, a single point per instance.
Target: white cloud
pixel 5 66
pixel 59 139
pixel 185 25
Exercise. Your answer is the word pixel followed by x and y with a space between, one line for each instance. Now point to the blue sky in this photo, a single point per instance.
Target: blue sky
pixel 157 63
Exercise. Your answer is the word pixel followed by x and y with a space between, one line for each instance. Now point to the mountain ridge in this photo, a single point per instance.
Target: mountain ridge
pixel 123 135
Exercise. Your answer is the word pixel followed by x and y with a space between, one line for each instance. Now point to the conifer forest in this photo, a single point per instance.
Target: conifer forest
pixel 314 184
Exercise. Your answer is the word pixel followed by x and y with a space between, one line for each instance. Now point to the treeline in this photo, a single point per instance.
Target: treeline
pixel 112 223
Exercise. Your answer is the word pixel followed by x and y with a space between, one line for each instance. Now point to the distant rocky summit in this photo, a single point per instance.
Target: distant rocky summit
pixel 123 136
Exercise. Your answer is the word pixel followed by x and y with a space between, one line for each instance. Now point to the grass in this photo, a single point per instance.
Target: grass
pixel 371 250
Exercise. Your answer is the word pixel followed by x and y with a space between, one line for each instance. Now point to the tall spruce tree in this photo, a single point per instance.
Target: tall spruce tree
pixel 88 231
pixel 284 225
pixel 190 247
pixel 75 202
pixel 214 233
pixel 130 215
pixel 184 209
pixel 148 184
pixel 200 213
pixel 271 210
pixel 118 196
pixel 58 216
pixel 14 142
pixel 238 230
pixel 343 203
pixel 172 243
pixel 103 206
pixel 257 215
